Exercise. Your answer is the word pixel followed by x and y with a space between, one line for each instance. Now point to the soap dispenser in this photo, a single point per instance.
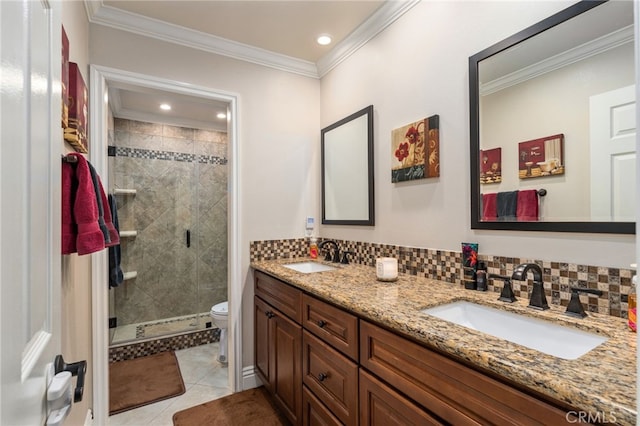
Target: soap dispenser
pixel 481 277
pixel 313 248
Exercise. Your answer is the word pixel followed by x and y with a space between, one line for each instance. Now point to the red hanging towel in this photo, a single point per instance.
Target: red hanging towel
pixel 90 238
pixel 489 209
pixel 527 210
pixel 69 227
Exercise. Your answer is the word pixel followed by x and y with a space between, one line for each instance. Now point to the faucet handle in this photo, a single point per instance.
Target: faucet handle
pixel 575 308
pixel 507 294
pixel 345 258
pixel 327 254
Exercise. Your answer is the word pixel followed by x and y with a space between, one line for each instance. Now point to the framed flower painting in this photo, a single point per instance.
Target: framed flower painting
pixel 415 150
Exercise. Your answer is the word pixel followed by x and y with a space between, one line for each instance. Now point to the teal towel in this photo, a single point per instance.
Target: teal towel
pixel 507 206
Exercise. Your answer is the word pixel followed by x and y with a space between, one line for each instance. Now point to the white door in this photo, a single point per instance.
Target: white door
pixel 613 155
pixel 30 152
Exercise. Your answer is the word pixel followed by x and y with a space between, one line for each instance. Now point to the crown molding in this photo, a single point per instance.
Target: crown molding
pixel 100 14
pixel 388 13
pixel 584 51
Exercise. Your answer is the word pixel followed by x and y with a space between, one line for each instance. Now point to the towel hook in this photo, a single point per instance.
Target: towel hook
pixel 69 159
pixel 542 192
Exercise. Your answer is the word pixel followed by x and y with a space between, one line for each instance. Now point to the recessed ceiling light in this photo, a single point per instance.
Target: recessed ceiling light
pixel 324 39
pixel 165 107
pixel 221 115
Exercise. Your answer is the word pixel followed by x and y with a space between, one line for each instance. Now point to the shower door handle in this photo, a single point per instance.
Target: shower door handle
pixel 188 238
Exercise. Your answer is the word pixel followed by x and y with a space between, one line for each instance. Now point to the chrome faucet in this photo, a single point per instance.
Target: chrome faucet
pixel 336 251
pixel 538 298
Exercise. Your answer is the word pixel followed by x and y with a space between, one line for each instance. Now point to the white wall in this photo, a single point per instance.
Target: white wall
pixel 419 67
pixel 76 270
pixel 278 126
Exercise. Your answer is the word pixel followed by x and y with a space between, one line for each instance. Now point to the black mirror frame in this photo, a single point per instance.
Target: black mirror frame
pixel 370 221
pixel 474 113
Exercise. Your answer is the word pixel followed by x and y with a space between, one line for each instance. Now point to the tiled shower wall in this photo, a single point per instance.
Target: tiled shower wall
pixel 180 178
pixel 446 266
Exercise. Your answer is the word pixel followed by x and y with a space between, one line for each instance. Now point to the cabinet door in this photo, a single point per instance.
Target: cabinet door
pixel 285 338
pixel 262 311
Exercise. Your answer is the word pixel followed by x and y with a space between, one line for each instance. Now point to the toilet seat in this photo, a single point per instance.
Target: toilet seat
pixel 221 309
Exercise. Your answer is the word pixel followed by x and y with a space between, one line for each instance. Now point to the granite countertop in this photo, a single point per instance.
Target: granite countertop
pixel 601 382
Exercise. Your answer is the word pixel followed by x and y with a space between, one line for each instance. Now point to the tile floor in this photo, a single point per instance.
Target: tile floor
pixel 204 379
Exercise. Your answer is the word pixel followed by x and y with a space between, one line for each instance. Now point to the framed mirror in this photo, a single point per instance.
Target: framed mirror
pixel 552 118
pixel 347 170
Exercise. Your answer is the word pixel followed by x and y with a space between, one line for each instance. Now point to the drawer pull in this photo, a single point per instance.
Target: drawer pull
pixel 322 377
pixel 322 323
pixel 270 314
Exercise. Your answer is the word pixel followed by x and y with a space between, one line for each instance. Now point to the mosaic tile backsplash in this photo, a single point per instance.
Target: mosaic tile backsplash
pixel 446 266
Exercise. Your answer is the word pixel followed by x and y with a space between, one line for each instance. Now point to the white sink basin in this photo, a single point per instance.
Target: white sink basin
pixel 309 267
pixel 544 336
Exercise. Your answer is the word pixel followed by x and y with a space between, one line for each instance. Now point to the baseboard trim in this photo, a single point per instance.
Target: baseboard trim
pixel 250 379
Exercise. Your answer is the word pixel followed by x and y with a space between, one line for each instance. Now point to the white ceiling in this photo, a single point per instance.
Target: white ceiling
pixel 278 34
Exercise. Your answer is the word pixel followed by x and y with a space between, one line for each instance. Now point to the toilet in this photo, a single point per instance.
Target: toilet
pixel 219 314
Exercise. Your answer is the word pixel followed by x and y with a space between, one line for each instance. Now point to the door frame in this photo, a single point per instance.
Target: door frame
pixel 100 77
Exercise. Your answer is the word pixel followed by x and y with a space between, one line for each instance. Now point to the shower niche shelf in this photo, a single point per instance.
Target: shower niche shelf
pixel 130 275
pixel 124 191
pixel 128 234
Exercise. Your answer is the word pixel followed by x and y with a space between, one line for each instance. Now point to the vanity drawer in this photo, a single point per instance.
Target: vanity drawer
pixel 280 295
pixel 314 413
pixel 333 325
pixel 449 389
pixel 332 377
pixel 380 405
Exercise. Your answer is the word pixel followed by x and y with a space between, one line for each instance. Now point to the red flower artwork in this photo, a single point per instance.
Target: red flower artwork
pixel 403 151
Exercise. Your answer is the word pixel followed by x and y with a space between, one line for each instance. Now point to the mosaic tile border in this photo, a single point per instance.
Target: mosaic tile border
pixel 193 322
pixel 173 343
pixel 445 265
pixel 152 154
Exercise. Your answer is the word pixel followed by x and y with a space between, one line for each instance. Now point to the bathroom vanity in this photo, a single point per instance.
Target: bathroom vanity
pixel 339 347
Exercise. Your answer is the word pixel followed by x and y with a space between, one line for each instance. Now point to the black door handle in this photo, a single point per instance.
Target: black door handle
pixel 188 238
pixel 76 369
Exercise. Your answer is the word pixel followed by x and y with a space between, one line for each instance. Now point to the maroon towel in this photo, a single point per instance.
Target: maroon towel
pixel 69 228
pixel 527 210
pixel 489 207
pixel 90 238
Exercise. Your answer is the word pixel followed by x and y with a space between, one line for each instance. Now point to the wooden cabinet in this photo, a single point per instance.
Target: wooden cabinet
pixel 278 344
pixel 325 366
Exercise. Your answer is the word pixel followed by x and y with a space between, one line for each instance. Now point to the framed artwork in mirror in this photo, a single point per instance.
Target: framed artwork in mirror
pixel 491 165
pixel 415 150
pixel 541 157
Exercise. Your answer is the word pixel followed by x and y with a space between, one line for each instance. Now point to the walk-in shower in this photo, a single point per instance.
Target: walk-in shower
pixel 170 186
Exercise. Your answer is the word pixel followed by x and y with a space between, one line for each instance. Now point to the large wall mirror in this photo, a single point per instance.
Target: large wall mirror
pixel 347 170
pixel 552 111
